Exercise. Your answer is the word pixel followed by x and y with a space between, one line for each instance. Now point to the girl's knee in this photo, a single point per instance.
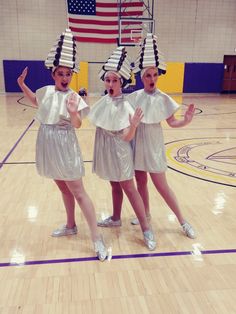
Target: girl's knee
pixel 63 187
pixel 141 178
pixel 129 188
pixel 77 189
pixel 116 187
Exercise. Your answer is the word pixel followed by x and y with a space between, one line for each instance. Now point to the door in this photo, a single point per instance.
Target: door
pixel 229 80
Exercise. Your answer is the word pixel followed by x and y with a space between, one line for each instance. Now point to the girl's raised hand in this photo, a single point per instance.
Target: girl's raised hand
pixel 189 113
pixel 21 78
pixel 137 117
pixel 72 103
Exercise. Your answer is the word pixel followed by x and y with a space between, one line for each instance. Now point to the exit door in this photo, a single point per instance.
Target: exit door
pixel 229 80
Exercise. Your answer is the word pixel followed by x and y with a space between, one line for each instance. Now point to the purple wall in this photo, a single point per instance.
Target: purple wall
pixel 37 77
pixel 203 77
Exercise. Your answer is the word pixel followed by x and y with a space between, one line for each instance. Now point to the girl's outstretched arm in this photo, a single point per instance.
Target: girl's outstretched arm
pixel 25 89
pixel 175 123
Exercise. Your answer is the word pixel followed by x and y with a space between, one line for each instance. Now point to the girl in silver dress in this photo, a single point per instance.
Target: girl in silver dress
pixel 149 149
pixel 116 123
pixel 58 154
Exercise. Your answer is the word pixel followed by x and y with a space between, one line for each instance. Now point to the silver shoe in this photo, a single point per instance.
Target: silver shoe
pixel 188 230
pixel 135 220
pixel 108 222
pixel 149 240
pixel 100 249
pixel 64 231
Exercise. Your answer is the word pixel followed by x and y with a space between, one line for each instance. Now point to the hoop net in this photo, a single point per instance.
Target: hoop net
pixel 136 36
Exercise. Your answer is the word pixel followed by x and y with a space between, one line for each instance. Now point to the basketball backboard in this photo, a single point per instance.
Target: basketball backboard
pixel 133 30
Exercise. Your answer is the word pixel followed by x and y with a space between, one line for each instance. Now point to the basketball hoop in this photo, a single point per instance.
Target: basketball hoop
pixel 133 31
pixel 137 41
pixel 136 36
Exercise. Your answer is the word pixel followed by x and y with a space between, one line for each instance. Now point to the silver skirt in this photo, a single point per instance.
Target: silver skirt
pixel 113 157
pixel 58 154
pixel 149 148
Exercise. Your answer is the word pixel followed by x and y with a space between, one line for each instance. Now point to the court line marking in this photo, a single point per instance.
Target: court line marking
pixel 15 145
pixel 194 173
pixel 115 257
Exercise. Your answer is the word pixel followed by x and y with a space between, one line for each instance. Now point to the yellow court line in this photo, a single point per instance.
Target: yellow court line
pixel 199 172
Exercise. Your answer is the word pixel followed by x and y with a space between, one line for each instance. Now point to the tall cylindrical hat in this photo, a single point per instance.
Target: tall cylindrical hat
pixel 150 55
pixel 63 52
pixel 118 62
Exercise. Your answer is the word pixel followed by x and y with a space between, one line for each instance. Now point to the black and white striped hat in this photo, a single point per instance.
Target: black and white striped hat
pixel 150 56
pixel 119 63
pixel 63 53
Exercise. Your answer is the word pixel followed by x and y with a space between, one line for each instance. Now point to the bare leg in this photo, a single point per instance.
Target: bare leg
pixel 141 179
pixel 75 190
pixel 136 202
pixel 117 199
pixel 86 205
pixel 69 203
pixel 160 182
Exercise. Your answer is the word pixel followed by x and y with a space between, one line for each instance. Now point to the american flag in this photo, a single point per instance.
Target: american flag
pixel 97 21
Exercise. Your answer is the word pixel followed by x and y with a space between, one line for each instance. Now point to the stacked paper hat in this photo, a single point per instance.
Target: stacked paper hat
pixel 63 53
pixel 150 56
pixel 118 62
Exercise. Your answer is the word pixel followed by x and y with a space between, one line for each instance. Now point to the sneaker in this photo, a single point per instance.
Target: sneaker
pixel 64 231
pixel 100 249
pixel 135 220
pixel 188 230
pixel 149 240
pixel 108 222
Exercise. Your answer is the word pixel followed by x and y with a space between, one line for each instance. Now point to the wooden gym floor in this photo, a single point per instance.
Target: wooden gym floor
pixel 40 274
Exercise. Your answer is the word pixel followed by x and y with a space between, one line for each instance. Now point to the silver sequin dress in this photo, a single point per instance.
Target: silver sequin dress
pixel 149 148
pixel 58 154
pixel 113 157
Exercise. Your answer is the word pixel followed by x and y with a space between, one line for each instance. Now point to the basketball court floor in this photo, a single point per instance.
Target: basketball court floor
pixel 41 274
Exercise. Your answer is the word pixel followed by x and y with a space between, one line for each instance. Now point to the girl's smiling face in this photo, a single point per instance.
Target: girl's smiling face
pixel 112 84
pixel 149 79
pixel 62 77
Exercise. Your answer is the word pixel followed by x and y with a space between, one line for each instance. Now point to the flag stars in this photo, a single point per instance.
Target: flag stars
pixel 82 7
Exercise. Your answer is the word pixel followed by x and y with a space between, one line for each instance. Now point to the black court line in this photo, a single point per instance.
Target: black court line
pixel 194 176
pixel 32 162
